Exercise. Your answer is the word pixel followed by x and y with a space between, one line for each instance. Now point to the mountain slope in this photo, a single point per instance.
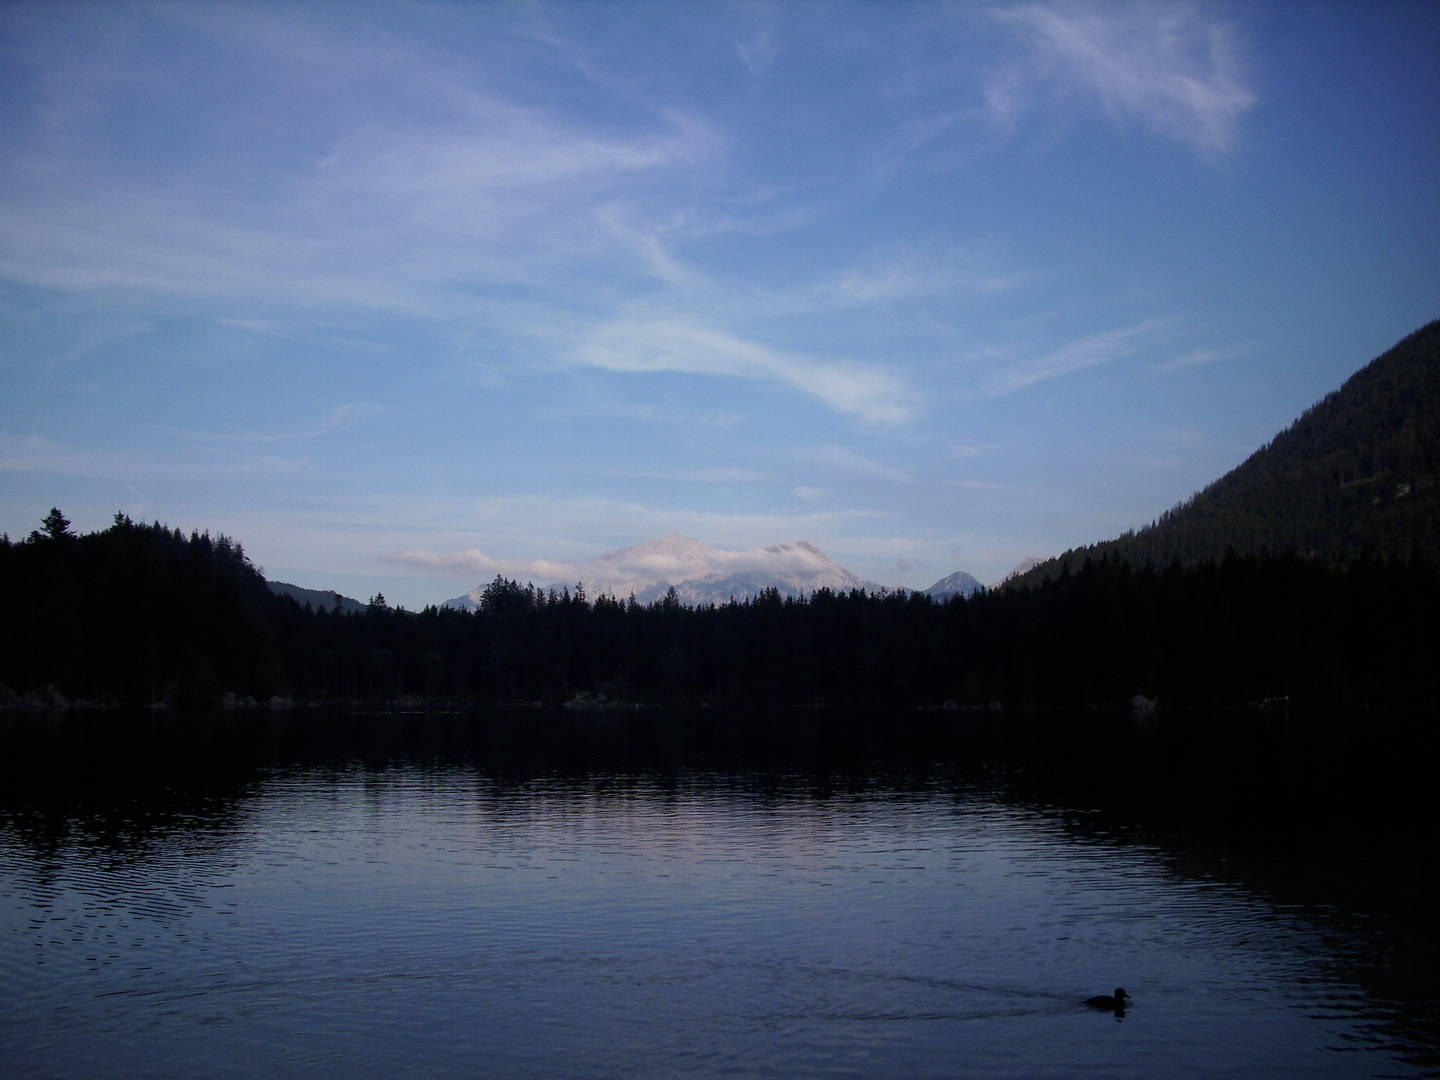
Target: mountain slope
pixel 1023 567
pixel 318 599
pixel 1356 473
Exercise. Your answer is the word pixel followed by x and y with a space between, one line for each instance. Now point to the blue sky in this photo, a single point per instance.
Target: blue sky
pixel 405 296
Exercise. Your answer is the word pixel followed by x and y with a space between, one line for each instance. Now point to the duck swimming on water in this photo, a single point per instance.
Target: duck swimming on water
pixel 1115 1002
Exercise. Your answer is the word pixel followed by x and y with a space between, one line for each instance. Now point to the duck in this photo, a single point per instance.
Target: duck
pixel 1115 1002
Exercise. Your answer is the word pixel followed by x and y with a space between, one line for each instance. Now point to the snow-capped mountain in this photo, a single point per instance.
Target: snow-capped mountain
pixel 957 584
pixel 701 574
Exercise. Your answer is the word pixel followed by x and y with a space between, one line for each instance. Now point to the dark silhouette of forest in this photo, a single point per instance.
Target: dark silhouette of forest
pixel 1310 574
pixel 1356 475
pixel 141 613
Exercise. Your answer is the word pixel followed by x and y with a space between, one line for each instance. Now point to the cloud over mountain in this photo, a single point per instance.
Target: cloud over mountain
pixel 702 574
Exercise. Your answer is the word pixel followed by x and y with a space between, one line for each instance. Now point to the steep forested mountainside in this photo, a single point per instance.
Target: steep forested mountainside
pixel 1356 474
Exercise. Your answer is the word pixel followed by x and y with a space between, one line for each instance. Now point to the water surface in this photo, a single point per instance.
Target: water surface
pixel 520 894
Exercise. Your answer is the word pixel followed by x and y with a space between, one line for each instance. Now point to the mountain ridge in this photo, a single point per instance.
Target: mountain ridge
pixel 319 599
pixel 1358 473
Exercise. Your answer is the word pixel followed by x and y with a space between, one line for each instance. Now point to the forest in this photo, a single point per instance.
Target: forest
pixel 1309 575
pixel 142 614
pixel 1356 474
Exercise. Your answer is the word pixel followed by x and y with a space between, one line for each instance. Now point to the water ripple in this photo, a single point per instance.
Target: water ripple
pixel 435 920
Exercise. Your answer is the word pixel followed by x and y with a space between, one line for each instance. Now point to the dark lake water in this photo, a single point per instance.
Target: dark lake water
pixel 829 895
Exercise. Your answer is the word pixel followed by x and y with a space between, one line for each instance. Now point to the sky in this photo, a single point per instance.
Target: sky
pixel 407 296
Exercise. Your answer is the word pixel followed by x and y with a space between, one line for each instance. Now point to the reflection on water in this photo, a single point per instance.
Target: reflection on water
pixel 823 894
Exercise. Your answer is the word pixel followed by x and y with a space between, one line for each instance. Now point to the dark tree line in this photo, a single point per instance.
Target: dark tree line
pixel 139 611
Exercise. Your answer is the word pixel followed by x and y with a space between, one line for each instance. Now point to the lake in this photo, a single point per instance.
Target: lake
pixel 527 893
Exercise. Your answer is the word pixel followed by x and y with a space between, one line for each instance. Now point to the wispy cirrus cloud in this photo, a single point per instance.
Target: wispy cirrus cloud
pixel 46 457
pixel 1166 66
pixel 845 460
pixel 758 50
pixel 908 274
pixel 1092 350
pixel 327 165
pixel 865 391
pixel 475 561
pixel 1199 357
pixel 388 221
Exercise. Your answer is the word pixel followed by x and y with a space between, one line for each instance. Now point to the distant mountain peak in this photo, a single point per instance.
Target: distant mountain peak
pixel 957 584
pixel 702 574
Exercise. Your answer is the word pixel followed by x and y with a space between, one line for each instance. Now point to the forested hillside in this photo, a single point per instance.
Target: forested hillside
pixel 1357 473
pixel 134 612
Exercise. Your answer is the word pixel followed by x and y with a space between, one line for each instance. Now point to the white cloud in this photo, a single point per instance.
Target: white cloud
pixel 588 521
pixel 390 221
pixel 863 391
pixel 647 566
pixel 475 561
pixel 593 403
pixel 977 485
pixel 341 419
pixel 839 457
pixel 1164 65
pixel 674 559
pixel 759 50
pixel 45 457
pixel 1197 357
pixel 1085 352
pixel 397 177
pixel 908 274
